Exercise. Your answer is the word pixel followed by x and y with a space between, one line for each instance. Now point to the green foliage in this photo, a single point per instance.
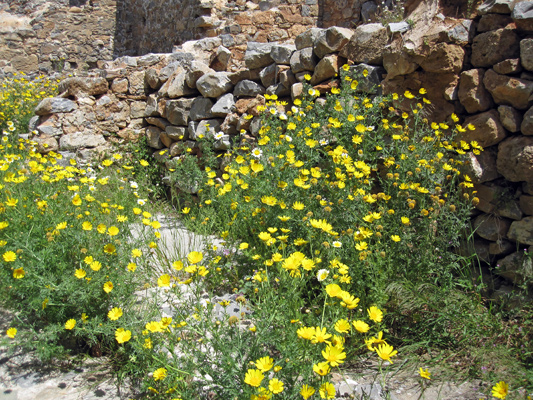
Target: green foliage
pixel 18 98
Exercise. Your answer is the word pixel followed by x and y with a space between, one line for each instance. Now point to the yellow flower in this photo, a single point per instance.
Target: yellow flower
pixel 375 314
pixel 327 391
pixel 298 206
pixel 275 386
pixel 112 231
pixel 114 314
pixel 361 326
pixel 424 373
pixel 500 390
pixel 11 333
pixel 101 228
pixel 177 265
pixel 122 335
pixel 322 368
pixel 80 273
pixel 163 280
pixel 87 226
pixel 333 290
pixel 19 273
pixel 95 265
pixel 70 324
pixel 108 287
pixel 395 238
pixel 253 377
pixel 342 326
pixel 334 355
pixel 110 248
pixel 386 351
pixel 61 225
pixel 11 202
pixel 144 163
pixel 132 267
pixel 195 257
pixel 136 253
pixel 160 374
pixel 264 364
pixel 307 391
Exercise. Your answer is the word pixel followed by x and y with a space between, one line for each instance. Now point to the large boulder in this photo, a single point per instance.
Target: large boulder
pixel 440 57
pixel 492 47
pixel 281 54
pixel 489 131
pixel 515 159
pixel 225 105
pixel 327 68
pixel 508 90
pixel 214 84
pixel 247 88
pixel 331 40
pixel 527 123
pixel 367 44
pixel 303 60
pixel 307 38
pixel 83 86
pixel 177 111
pixel 258 54
pixel 78 140
pixel 52 105
pixel 201 109
pixel 472 94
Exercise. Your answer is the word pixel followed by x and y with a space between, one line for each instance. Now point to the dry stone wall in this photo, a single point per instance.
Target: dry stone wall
pixel 482 71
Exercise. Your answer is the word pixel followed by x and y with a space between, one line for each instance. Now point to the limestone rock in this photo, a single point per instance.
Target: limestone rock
pixel 248 88
pixel 326 68
pixel 489 131
pixel 490 48
pixel 166 139
pixel 522 16
pixel 201 109
pixel 515 158
pixel 214 85
pixel 77 140
pixel 52 105
pixel 369 84
pixel 281 54
pixel 526 53
pixel 522 231
pixel 482 167
pixel 472 94
pixel 221 59
pixel 176 86
pixel 177 132
pixel 440 58
pixel 508 90
pixel 367 44
pixel 153 134
pixel 526 204
pixel 331 40
pixel 303 60
pixel 268 75
pixel 510 118
pixel 527 123
pixel 177 111
pixel 46 144
pixel 246 74
pixel 258 54
pixel 195 71
pixel 509 66
pixel 397 27
pixel 279 90
pixel 496 7
pixel 83 86
pixel 491 22
pixel 397 63
pixel 161 123
pixel 501 247
pixel 152 79
pixel 151 106
pixel 297 91
pixel 224 106
pixel 509 209
pixel 516 267
pixel 120 86
pixel 490 227
pixel 307 38
pixel 204 127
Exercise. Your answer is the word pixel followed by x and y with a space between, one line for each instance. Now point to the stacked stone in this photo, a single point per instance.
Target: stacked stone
pixel 497 94
pixel 38 36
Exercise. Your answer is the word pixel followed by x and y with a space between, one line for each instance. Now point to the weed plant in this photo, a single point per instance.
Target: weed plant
pixel 18 98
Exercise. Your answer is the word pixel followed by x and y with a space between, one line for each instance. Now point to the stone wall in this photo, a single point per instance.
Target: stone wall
pixel 481 69
pixel 57 35
pixel 48 36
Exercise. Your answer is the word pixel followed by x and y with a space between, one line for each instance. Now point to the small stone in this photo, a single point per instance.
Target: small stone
pixel 303 60
pixel 52 105
pixel 327 68
pixel 331 40
pixel 201 109
pixel 526 204
pixel 522 16
pixel 496 7
pixel 307 38
pixel 78 140
pixel 258 54
pixel 508 90
pixel 248 88
pixel 367 45
pixel 490 48
pixel 177 111
pixel 522 231
pixel 526 53
pixel 510 118
pixel 472 93
pixel 527 123
pixel 491 22
pixel 214 84
pixel 268 75
pixel 281 54
pixel 509 66
pixel 489 131
pixel 517 267
pixel 153 134
pixel 490 227
pixel 515 158
pixel 224 106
